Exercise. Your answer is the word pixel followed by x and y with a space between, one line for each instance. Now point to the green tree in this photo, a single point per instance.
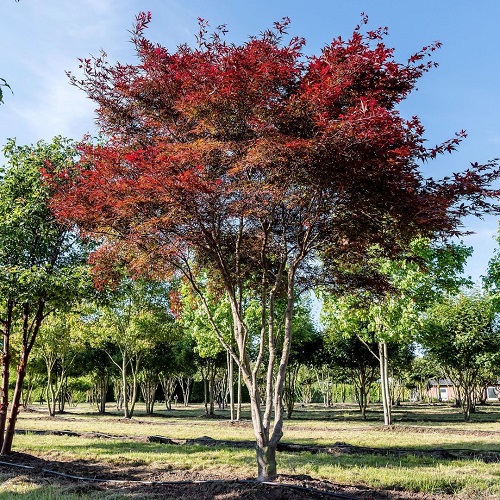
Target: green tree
pixel 42 263
pixel 134 319
pixel 208 347
pixel 422 370
pixel 391 313
pixel 461 334
pixel 162 364
pixel 59 344
pixel 355 358
pixel 94 363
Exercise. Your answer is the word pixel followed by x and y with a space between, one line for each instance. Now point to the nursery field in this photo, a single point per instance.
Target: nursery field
pixel 325 453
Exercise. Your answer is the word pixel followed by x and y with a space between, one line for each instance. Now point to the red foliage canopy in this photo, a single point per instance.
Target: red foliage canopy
pixel 224 145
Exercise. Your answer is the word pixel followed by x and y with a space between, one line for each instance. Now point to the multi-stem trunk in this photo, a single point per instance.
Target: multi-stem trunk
pixel 102 390
pixel 268 435
pixel 51 396
pixel 52 390
pixel 185 383
pixel 168 385
pixel 149 385
pixel 135 370
pixel 266 403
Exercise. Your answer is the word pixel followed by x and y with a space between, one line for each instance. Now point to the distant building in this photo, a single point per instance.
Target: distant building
pixel 443 390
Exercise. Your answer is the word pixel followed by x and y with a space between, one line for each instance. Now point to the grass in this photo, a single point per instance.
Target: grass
pixel 418 428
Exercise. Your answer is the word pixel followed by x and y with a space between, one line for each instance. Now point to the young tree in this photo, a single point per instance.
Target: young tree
pixel 42 263
pixel 95 363
pixel 177 360
pixel 461 334
pixel 355 358
pixel 133 319
pixel 59 344
pixel 413 281
pixel 421 372
pixel 249 160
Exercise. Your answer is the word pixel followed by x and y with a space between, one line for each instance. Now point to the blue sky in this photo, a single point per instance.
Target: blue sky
pixel 41 39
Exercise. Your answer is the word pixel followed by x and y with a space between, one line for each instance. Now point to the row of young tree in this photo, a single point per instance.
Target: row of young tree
pixel 229 181
pixel 82 356
pixel 136 347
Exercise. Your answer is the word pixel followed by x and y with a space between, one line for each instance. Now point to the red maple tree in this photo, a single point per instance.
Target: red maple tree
pixel 252 161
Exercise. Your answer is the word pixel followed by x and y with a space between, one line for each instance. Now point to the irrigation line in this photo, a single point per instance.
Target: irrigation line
pixel 187 482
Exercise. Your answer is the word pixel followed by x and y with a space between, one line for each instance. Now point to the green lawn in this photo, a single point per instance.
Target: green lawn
pixel 419 431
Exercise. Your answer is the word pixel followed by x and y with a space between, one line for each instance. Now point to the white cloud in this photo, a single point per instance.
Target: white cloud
pixel 62 109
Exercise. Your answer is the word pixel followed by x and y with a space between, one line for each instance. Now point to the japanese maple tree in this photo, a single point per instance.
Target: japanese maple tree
pixel 250 161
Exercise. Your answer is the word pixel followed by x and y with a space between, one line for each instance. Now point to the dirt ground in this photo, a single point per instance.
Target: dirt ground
pixel 138 481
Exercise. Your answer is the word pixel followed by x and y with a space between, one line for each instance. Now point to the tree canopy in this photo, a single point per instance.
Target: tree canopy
pixel 461 334
pixel 42 262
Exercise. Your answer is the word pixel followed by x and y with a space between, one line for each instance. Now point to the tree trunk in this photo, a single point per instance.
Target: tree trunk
pixel 118 391
pixel 51 396
pixel 149 386
pixel 102 391
pixel 266 463
pixel 384 382
pixel 27 393
pixel 185 383
pixel 168 384
pixel 238 406
pixel 211 390
pixel 30 331
pixel 16 404
pixel 133 397
pixel 204 376
pixel 126 412
pixel 4 401
pixel 62 394
pixel 289 391
pixel 271 408
pixel 6 358
pixel 230 382
pixel 51 391
pixel 267 440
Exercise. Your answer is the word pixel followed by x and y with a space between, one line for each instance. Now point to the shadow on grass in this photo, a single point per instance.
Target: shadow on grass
pixel 113 450
pixel 434 413
pixel 139 461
